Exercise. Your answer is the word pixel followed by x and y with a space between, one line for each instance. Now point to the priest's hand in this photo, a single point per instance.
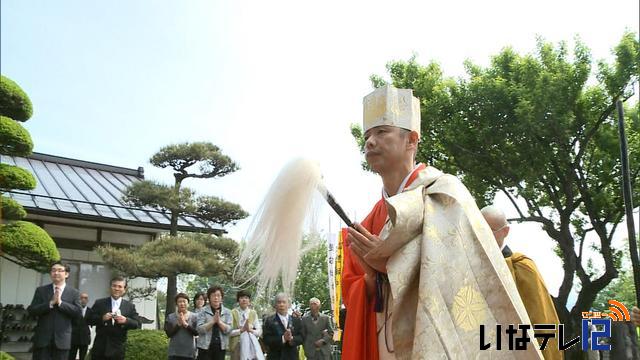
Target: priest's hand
pixel 361 241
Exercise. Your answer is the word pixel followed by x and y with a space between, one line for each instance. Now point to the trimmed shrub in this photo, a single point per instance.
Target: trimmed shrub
pixel 5 356
pixel 11 209
pixel 13 177
pixel 14 138
pixel 14 102
pixel 147 345
pixel 29 245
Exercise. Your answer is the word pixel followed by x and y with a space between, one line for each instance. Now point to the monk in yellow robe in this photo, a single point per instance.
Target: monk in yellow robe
pixel 531 287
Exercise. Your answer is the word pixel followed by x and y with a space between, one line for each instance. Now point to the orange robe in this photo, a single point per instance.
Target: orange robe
pixel 360 339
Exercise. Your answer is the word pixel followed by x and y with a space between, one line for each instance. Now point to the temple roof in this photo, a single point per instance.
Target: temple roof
pixel 83 190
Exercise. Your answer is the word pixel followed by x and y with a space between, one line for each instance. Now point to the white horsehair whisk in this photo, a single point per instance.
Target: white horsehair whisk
pixel 273 245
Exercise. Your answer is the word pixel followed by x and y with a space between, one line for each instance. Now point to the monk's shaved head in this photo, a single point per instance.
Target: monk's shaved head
pixel 497 222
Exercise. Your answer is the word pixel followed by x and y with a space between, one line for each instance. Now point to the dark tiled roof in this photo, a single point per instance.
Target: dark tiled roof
pixel 70 188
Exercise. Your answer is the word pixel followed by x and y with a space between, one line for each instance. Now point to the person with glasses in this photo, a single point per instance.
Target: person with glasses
pixel 56 306
pixel 214 327
pixel 529 282
pixel 81 333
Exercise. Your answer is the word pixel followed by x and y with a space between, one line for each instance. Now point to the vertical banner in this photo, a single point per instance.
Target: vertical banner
pixel 331 268
pixel 338 280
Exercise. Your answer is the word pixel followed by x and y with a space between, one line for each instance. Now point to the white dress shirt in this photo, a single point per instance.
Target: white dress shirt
pixel 115 305
pixel 284 319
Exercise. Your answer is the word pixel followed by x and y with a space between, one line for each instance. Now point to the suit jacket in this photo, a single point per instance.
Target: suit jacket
pixel 312 332
pixel 111 337
pixel 273 330
pixel 80 333
pixel 54 323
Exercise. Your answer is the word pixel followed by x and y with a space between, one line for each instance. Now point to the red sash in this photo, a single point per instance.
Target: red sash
pixel 360 339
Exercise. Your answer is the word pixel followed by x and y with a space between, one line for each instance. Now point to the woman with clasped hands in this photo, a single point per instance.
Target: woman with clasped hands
pixel 214 326
pixel 181 328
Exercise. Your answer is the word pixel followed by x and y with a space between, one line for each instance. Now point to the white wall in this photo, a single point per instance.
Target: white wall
pixel 111 236
pixel 88 274
pixel 17 283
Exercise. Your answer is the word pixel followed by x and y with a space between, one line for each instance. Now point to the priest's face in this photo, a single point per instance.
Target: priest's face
pixel 386 147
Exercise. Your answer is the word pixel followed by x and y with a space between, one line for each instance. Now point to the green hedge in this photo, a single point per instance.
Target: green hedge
pixel 14 102
pixel 14 177
pixel 147 345
pixel 29 245
pixel 14 138
pixel 11 209
pixel 5 356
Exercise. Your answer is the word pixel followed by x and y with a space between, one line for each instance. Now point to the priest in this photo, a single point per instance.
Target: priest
pixel 422 273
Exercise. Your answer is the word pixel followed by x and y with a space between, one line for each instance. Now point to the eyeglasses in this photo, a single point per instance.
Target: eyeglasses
pixel 58 270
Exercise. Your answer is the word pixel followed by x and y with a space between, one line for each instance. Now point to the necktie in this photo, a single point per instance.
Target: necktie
pixel 57 294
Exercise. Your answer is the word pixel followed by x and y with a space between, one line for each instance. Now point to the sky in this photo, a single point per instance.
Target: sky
pixel 267 82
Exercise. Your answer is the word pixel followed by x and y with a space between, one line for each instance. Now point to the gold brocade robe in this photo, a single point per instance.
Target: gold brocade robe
pixel 446 275
pixel 535 297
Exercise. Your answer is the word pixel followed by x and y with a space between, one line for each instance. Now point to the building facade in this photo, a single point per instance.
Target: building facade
pixel 79 204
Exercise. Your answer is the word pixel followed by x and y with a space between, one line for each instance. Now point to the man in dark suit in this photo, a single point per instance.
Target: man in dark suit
pixel 282 332
pixel 80 333
pixel 112 317
pixel 56 305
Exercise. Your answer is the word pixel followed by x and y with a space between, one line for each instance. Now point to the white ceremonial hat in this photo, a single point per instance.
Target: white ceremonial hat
pixel 391 106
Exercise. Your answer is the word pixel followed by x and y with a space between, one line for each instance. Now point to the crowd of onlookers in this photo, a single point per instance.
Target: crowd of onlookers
pixel 212 330
pixel 208 331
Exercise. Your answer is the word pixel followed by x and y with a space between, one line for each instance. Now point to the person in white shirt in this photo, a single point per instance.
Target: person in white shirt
pixel 246 330
pixel 56 306
pixel 113 317
pixel 283 332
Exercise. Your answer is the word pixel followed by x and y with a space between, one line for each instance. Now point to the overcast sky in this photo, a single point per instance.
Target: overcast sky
pixel 266 81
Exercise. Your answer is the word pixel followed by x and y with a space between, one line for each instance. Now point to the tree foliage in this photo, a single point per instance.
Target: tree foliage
pixel 210 160
pixel 621 289
pixel 185 253
pixel 198 160
pixel 28 245
pixel 14 138
pixel 14 102
pixel 146 345
pixel 14 177
pixel 312 279
pixel 218 211
pixel 21 242
pixel 11 209
pixel 203 283
pixel 539 128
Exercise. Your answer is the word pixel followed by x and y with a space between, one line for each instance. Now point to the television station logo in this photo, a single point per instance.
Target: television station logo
pixel 595 326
